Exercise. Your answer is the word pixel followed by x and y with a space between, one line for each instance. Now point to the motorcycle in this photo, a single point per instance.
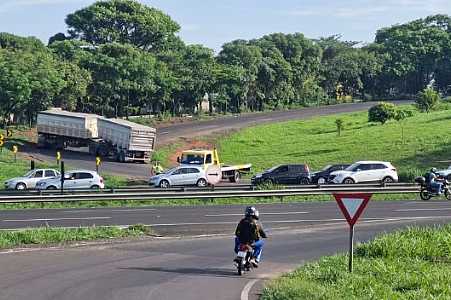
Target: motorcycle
pixel 243 258
pixel 426 192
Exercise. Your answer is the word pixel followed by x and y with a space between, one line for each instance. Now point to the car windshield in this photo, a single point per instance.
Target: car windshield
pixel 352 167
pixel 272 169
pixel 192 159
pixel 169 171
pixel 326 168
pixel 29 173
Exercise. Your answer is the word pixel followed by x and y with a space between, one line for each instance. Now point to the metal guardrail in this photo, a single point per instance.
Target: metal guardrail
pixel 212 194
pixel 147 189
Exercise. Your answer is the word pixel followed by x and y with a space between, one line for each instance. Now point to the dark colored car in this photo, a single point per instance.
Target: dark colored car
pixel 322 176
pixel 284 174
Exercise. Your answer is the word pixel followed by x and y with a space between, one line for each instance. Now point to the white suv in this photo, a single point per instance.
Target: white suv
pixel 366 171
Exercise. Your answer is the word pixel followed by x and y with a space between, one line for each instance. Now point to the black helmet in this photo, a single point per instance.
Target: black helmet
pixel 251 212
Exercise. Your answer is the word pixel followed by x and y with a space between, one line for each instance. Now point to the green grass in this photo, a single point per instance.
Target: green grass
pixel 410 264
pixel 426 140
pixel 53 235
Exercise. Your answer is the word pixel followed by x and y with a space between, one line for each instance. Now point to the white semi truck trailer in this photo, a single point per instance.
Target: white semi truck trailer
pixel 117 138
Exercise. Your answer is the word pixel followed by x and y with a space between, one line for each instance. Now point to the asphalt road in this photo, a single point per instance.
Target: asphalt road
pixel 166 135
pixel 190 268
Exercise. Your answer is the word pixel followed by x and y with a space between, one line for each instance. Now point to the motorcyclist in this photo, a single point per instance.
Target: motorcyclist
pixel 249 231
pixel 433 181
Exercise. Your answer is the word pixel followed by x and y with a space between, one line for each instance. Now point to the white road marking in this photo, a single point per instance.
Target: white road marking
pixel 111 210
pixel 58 219
pixel 247 288
pixel 422 209
pixel 264 214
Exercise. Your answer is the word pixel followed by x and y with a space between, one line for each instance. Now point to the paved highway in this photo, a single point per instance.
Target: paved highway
pixel 169 134
pixel 187 268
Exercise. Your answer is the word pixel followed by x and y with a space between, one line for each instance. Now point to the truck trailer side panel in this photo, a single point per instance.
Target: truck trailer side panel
pixel 63 123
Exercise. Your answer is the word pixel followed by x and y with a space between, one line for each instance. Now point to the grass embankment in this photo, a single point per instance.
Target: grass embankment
pixel 412 145
pixel 51 235
pixel 410 264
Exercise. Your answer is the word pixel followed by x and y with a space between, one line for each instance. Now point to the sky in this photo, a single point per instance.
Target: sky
pixel 213 23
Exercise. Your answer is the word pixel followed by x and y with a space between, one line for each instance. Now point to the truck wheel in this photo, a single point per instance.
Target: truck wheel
pixel 236 177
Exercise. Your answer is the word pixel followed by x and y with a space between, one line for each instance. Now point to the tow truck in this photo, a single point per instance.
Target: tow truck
pixel 209 158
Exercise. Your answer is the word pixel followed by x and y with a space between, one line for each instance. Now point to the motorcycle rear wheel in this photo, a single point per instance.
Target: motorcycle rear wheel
pixel 240 268
pixel 425 195
pixel 447 194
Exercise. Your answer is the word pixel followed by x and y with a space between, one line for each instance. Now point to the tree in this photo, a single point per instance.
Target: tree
pixel 122 21
pixel 340 126
pixel 400 116
pixel 382 112
pixel 427 99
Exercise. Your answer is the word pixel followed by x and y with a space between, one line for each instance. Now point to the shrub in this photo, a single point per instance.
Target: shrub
pixel 427 100
pixel 382 112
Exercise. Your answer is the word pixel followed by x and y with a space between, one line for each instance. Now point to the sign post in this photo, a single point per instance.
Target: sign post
pixel 58 158
pixel 352 206
pixel 15 150
pixel 98 162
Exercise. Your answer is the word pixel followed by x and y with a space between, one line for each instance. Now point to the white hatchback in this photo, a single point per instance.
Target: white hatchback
pixel 366 172
pixel 78 179
pixel 29 180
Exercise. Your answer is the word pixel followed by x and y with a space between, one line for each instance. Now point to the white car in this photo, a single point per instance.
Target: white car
pixel 366 171
pixel 77 179
pixel 445 173
pixel 29 180
pixel 181 175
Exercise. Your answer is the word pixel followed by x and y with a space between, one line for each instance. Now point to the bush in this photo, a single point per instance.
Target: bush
pixel 427 100
pixel 382 112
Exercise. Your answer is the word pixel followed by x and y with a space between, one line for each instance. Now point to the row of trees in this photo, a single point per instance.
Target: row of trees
pixel 120 57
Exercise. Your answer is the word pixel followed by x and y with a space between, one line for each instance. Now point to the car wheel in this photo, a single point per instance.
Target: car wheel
pixel 321 180
pixel 95 187
pixel 21 186
pixel 348 181
pixel 304 181
pixel 388 179
pixel 51 187
pixel 202 183
pixel 268 181
pixel 164 184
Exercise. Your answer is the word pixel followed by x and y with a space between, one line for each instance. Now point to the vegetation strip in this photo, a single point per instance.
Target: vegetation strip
pixel 407 264
pixel 54 235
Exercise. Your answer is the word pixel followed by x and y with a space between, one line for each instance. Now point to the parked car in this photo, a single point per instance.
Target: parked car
pixel 366 171
pixel 29 180
pixel 322 176
pixel 445 173
pixel 284 174
pixel 77 179
pixel 180 176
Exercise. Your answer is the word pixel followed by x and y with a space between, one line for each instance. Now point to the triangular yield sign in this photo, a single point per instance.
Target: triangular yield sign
pixel 352 205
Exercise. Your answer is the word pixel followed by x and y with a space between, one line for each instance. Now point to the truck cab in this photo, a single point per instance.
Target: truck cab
pixel 207 158
pixel 198 157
